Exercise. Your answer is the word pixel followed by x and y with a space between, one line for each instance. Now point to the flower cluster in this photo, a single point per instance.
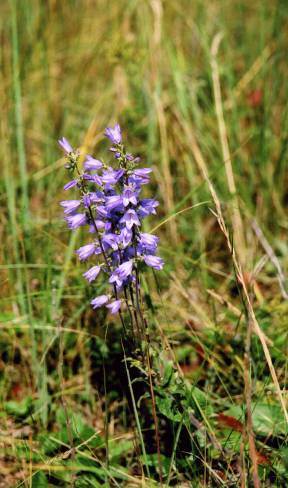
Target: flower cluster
pixel 112 208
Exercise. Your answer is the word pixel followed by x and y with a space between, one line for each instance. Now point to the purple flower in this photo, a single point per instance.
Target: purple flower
pixel 70 184
pixel 130 218
pixel 70 205
pixel 97 196
pixel 121 273
pixel 92 273
pixel 86 251
pixel 99 301
pixel 125 237
pixel 148 243
pixel 99 225
pixel 111 240
pixel 86 200
pixel 114 307
pixel 102 212
pixel 125 269
pixel 111 176
pixel 67 148
pixel 154 261
pixel 147 207
pixel 93 178
pixel 129 196
pixel 140 176
pixel 142 172
pixel 92 164
pixel 75 221
pixel 113 202
pixel 115 279
pixel 114 134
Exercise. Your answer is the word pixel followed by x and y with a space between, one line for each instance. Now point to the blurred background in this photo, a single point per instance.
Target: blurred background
pixel 192 84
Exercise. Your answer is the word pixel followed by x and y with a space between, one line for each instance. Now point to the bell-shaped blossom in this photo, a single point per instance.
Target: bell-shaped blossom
pixel 114 134
pixel 121 273
pixel 114 307
pixel 86 251
pixel 70 205
pixel 111 241
pixel 102 212
pixel 111 176
pixel 154 262
pixel 130 218
pixel 70 184
pixel 92 178
pixel 65 145
pixel 75 221
pixel 114 202
pixel 142 172
pixel 125 237
pixel 148 243
pixel 99 301
pixel 91 164
pixel 147 207
pixel 129 196
pixel 92 273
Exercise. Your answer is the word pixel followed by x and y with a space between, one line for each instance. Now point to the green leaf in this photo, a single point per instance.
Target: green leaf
pixel 19 409
pixel 268 419
pixel 152 460
pixel 167 407
pixel 39 480
pixel 118 449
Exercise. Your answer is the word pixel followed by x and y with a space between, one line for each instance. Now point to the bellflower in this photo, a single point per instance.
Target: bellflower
pixel 70 205
pixel 70 184
pixel 85 252
pixel 148 242
pixel 111 207
pixel 114 307
pixel 92 273
pixel 66 146
pixel 75 221
pixel 99 301
pixel 92 164
pixel 129 196
pixel 130 218
pixel 114 134
pixel 154 261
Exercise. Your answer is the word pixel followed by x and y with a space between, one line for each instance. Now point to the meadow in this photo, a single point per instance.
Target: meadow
pixel 200 91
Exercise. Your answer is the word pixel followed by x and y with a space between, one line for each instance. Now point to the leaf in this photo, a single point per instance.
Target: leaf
pixel 168 371
pixel 230 422
pixel 268 419
pixel 118 449
pixel 39 480
pixel 200 401
pixel 19 409
pixel 152 461
pixel 166 407
pixel 261 458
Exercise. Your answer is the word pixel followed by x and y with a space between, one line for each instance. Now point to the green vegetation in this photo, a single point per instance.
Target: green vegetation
pixel 200 90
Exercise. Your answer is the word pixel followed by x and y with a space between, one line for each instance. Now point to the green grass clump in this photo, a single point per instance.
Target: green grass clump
pixel 207 119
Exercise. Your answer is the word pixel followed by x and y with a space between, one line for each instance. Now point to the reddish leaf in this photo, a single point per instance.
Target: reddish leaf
pixel 231 422
pixel 255 98
pixel 261 458
pixel 16 391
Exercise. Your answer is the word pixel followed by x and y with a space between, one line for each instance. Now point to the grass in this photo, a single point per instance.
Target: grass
pixel 212 120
